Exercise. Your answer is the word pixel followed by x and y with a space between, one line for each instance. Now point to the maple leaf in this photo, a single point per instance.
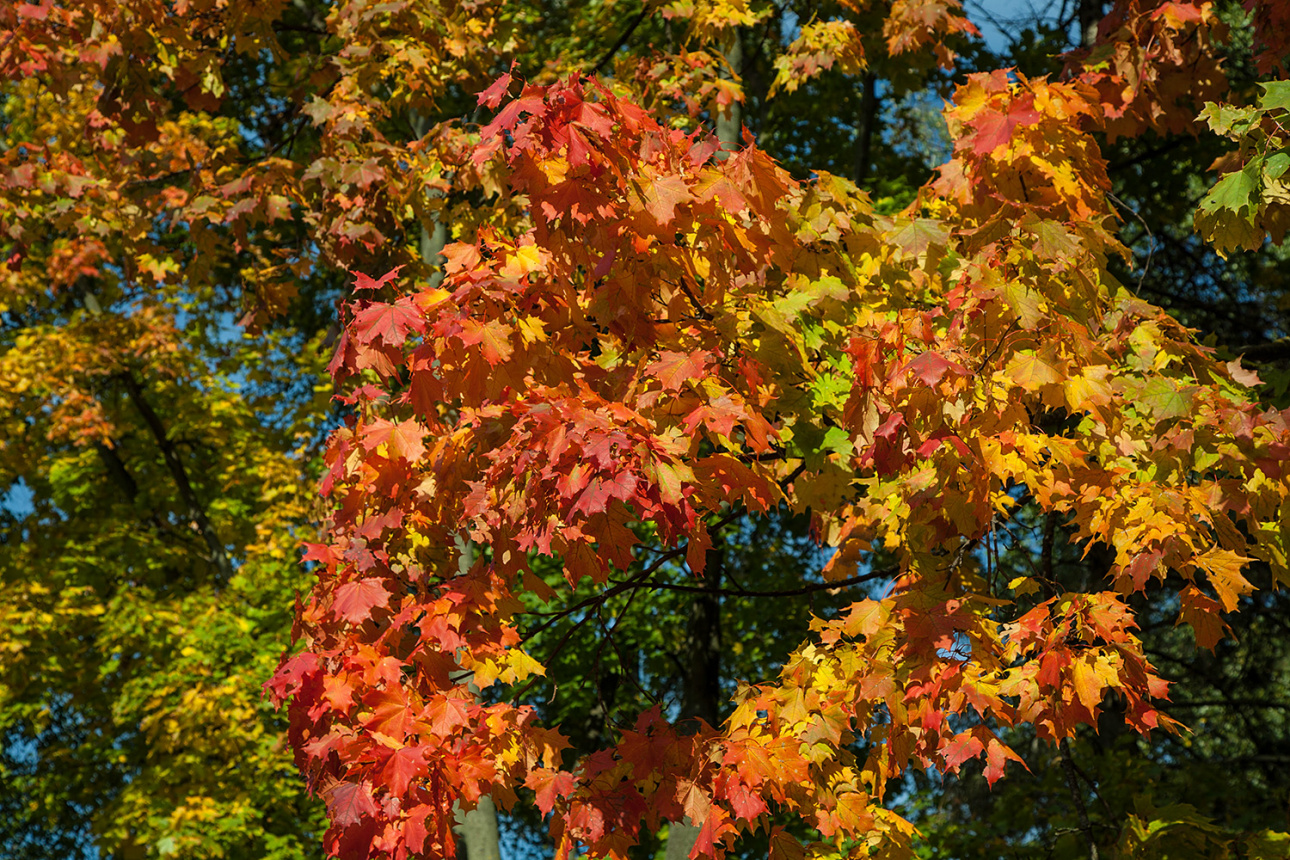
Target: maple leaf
pixel 446 715
pixel 414 828
pixel 362 173
pixel 920 234
pixel 696 551
pixel 1223 568
pixel 1242 375
pixel 930 367
pixel 784 846
pixel 671 478
pixel 1143 566
pixel 997 756
pixel 348 803
pixel 339 692
pixel 1166 398
pixel 1031 372
pixel 364 282
pixel 601 490
pixel 291 675
pixel 494 337
pixel 674 369
pixel 694 799
pixel 388 323
pixel 1087 681
pixel 581 561
pixel 403 767
pixel 961 747
pixel 549 785
pixel 745 801
pixel 355 601
pixel 403 440
pixel 391 714
pixel 994 128
pixel 716 827
pixel 1204 615
pixel 492 96
pixel 661 195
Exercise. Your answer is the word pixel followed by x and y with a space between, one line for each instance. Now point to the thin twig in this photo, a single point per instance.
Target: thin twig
pixel 1151 249
pixel 622 40
pixel 1088 780
pixel 885 573
pixel 694 300
pixel 1072 781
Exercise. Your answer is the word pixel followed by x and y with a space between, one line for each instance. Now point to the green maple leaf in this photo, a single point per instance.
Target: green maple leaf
pixel 1166 399
pixel 1235 191
pixel 1276 95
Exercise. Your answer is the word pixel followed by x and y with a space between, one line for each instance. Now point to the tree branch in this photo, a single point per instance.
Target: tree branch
pixel 196 513
pixel 1072 782
pixel 886 573
pixel 865 131
pixel 1277 350
pixel 116 470
pixel 694 301
pixel 1232 703
pixel 622 40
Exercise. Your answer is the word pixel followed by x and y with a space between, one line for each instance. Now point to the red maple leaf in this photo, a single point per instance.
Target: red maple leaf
pixel 389 323
pixel 962 747
pixel 674 369
pixel 403 439
pixel 349 802
pixel 747 803
pixel 493 336
pixel 994 128
pixel 354 601
pixel 363 282
pixel 549 785
pixel 997 756
pixel 446 714
pixel 402 767
pixel 391 714
pixel 930 367
pixel 492 97
pixel 291 675
pixel 601 490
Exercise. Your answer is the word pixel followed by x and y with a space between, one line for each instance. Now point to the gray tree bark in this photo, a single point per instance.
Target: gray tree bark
pixel 730 123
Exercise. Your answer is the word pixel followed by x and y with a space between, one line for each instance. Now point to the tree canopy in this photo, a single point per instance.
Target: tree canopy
pixel 723 450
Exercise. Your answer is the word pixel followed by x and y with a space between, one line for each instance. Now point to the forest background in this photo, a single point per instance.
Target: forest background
pixel 187 188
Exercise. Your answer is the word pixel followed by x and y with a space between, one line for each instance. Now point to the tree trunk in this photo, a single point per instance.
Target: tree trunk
pixel 867 122
pixel 1089 15
pixel 433 239
pixel 477 829
pixel 730 122
pixel 701 697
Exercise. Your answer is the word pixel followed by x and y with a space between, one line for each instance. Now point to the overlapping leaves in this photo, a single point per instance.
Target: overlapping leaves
pixel 679 333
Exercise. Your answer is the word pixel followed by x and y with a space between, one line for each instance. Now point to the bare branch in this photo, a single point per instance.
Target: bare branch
pixel 1072 782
